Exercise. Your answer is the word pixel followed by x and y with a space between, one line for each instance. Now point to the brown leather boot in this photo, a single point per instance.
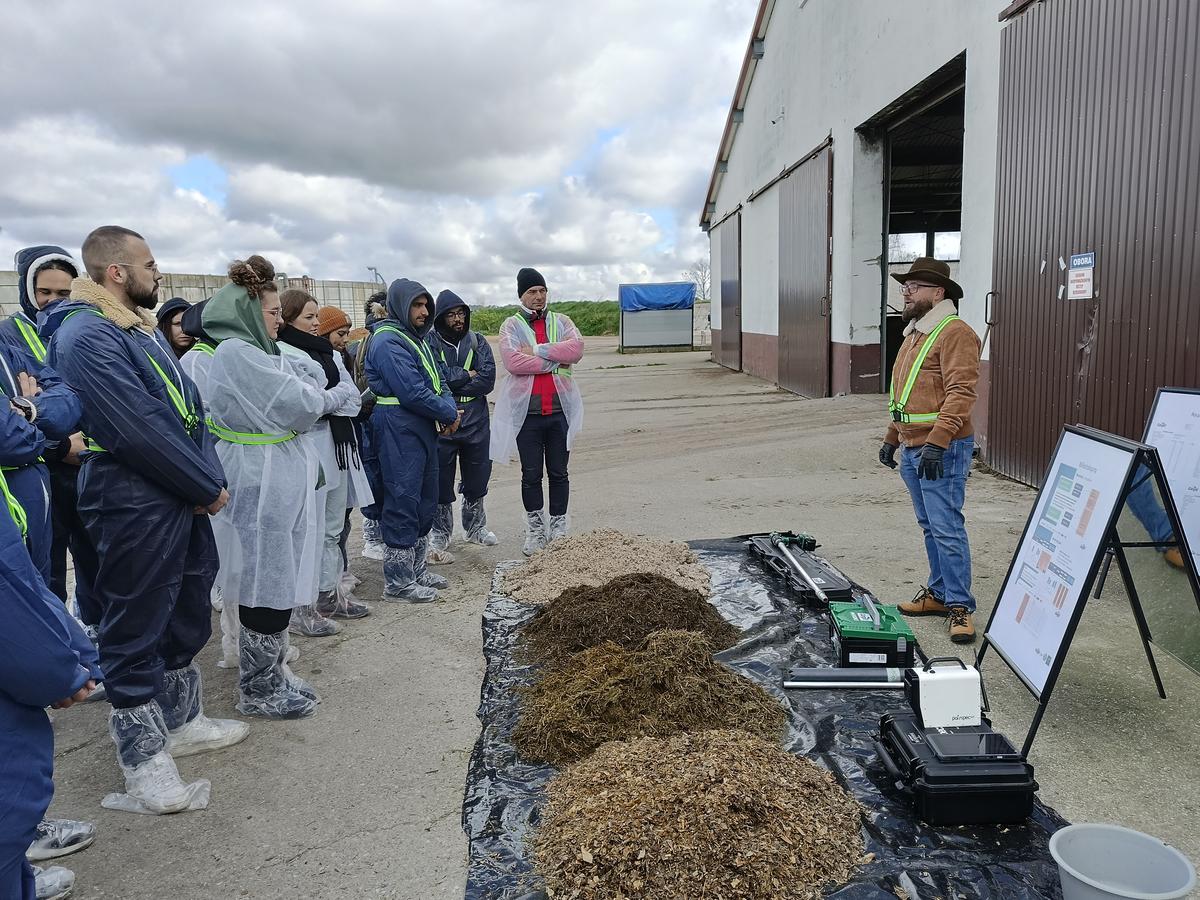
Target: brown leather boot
pixel 1173 557
pixel 924 604
pixel 962 625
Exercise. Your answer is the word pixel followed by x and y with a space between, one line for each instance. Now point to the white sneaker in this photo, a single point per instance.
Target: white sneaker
pixel 374 550
pixel 156 785
pixel 53 882
pixel 439 557
pixel 485 538
pixel 203 734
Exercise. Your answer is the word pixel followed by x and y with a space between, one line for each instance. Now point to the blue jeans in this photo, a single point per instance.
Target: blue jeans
pixel 938 505
pixel 1143 503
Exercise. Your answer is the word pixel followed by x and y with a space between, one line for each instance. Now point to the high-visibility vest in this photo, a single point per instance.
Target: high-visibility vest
pixel 551 337
pixel 15 509
pixel 175 392
pixel 247 438
pixel 466 363
pixel 898 409
pixel 36 347
pixel 424 356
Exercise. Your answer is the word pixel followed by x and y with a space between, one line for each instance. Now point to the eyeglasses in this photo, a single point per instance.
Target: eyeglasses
pixel 456 314
pixel 910 286
pixel 151 266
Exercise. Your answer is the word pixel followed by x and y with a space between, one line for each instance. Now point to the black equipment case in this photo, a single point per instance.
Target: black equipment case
pixel 835 585
pixel 957 776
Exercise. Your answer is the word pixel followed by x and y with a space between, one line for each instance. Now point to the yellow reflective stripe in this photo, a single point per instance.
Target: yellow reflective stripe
pixel 15 509
pixel 911 381
pixel 204 348
pixel 466 365
pixel 387 401
pixel 424 354
pixel 92 445
pixel 36 347
pixel 247 438
pixel 19 468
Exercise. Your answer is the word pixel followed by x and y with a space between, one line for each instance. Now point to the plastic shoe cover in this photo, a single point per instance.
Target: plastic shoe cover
pixel 557 528
pixel 140 733
pixel 53 882
pixel 443 527
pixel 293 654
pixel 295 682
pixel 424 577
pixel 400 580
pixel 349 581
pixel 180 696
pixel 216 598
pixel 339 604
pixel 154 788
pixel 262 679
pixel 60 837
pixel 474 518
pixel 310 623
pixel 373 545
pixel 203 734
pixel 535 532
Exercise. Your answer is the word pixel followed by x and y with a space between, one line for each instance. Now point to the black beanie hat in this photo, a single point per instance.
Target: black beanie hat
pixel 528 278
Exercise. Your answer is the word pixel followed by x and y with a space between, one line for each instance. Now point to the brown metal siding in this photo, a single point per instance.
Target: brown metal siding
pixel 1099 149
pixel 804 224
pixel 729 238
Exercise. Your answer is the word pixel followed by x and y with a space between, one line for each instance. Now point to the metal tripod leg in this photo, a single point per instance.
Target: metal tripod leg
pixel 1136 604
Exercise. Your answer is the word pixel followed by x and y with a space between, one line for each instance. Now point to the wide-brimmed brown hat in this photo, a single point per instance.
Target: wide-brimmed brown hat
pixel 926 268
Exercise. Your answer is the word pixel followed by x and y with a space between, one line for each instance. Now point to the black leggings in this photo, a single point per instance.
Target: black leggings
pixel 265 620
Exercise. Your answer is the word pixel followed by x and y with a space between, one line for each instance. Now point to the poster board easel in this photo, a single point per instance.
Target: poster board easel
pixel 1064 553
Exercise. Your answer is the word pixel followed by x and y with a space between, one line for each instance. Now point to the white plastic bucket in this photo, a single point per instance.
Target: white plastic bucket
pixel 1103 862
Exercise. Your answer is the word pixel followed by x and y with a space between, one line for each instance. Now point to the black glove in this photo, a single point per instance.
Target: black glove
pixel 887 455
pixel 931 462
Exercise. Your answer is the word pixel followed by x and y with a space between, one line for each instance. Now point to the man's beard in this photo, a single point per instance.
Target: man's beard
pixel 458 329
pixel 146 299
pixel 915 311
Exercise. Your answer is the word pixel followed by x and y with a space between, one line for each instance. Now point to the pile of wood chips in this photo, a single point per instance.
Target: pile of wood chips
pixel 598 557
pixel 670 683
pixel 625 611
pixel 714 814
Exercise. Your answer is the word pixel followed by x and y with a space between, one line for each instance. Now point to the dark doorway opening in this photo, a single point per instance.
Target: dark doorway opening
pixel 923 165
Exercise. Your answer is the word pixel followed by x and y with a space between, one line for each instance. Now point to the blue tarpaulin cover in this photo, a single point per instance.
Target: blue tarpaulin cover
pixel 670 295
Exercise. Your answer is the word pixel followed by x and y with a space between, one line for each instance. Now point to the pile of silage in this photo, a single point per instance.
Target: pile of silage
pixel 597 557
pixel 625 611
pixel 670 683
pixel 720 814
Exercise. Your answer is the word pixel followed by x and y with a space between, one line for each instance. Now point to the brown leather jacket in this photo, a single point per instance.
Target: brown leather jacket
pixel 945 384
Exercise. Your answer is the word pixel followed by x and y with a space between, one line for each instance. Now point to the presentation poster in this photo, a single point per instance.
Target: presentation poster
pixel 1062 541
pixel 1174 429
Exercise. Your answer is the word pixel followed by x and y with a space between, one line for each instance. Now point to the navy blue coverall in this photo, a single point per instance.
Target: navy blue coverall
pixel 138 495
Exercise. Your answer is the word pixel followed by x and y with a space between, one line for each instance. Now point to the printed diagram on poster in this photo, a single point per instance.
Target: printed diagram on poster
pixel 1058 554
pixel 1174 429
pixel 1081 282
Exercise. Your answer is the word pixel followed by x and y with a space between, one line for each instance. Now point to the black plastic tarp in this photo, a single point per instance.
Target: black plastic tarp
pixel 504 794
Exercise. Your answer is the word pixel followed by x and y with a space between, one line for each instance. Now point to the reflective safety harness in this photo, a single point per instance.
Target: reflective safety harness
pixel 205 348
pixel 897 409
pixel 187 412
pixel 424 354
pixel 551 337
pixel 36 347
pixel 466 365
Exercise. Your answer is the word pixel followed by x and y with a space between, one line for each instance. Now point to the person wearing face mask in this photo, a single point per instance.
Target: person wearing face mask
pixel 150 480
pixel 170 323
pixel 341 472
pixel 539 410
pixel 271 533
pixel 413 406
pixel 471 374
pixel 932 395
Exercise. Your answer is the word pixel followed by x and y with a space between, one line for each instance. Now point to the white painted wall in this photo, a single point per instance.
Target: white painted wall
pixel 831 66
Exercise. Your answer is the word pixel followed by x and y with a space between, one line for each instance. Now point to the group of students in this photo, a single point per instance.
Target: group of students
pixel 212 454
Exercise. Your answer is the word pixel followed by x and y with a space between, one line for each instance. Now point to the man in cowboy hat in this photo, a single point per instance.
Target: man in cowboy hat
pixel 932 394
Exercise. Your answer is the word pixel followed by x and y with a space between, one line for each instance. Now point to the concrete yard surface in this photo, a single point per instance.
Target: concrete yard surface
pixel 364 799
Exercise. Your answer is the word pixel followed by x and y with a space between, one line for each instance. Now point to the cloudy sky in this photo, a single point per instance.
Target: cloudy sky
pixel 450 141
